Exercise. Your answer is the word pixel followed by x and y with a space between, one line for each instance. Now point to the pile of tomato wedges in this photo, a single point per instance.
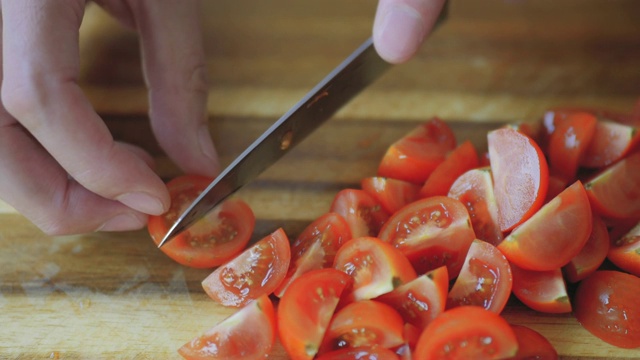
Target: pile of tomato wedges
pixel 420 260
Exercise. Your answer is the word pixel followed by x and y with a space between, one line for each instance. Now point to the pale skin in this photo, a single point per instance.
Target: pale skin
pixel 60 166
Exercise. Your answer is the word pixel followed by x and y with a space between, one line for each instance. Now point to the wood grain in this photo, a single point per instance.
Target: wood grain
pixel 115 296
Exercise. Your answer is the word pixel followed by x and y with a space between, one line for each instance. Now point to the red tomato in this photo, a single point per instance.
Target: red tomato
pixel 531 130
pixel 247 334
pixel 212 241
pixel 615 192
pixel 467 332
pixel 611 142
pixel 414 156
pixel 392 194
pixel 520 175
pixel 625 251
pixel 606 304
pixel 316 247
pixel 592 254
pixel 460 160
pixel 543 291
pixel 475 190
pixel 532 345
pixel 375 266
pixel 360 353
pixel 257 271
pixel 554 235
pixel 568 143
pixel 556 186
pixel 422 299
pixel 431 232
pixel 364 323
pixel 306 308
pixel 485 279
pixel 363 213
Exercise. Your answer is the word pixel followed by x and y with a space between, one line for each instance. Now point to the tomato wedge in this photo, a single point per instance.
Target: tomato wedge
pixel 485 279
pixel 363 213
pixel 257 271
pixel 467 332
pixel 392 194
pixel 520 175
pixel 212 241
pixel 459 161
pixel 611 142
pixel 306 308
pixel 568 143
pixel 543 291
pixel 592 255
pixel 554 235
pixel 532 345
pixel 360 353
pixel 431 232
pixel 625 251
pixel 606 304
pixel 316 247
pixel 413 157
pixel 249 333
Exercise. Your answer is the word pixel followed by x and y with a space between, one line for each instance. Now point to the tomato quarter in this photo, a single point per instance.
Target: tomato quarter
pixel 363 213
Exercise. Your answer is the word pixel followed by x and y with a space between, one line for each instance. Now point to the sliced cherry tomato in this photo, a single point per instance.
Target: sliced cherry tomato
pixel 615 192
pixel 212 241
pixel 364 323
pixel 485 279
pixel 306 308
pixel 316 247
pixel 475 190
pixel 532 345
pixel 360 353
pixel 392 194
pixel 606 304
pixel 431 232
pixel 249 333
pixel 556 186
pixel 611 142
pixel 543 291
pixel 568 143
pixel 258 270
pixel 414 156
pixel 592 254
pixel 625 251
pixel 375 266
pixel 554 235
pixel 520 176
pixel 467 332
pixel 459 161
pixel 529 129
pixel 422 299
pixel 363 213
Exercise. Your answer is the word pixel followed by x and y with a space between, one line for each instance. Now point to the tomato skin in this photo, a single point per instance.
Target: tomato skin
pixel 543 291
pixel 363 213
pixel 532 345
pixel 461 159
pixel 625 251
pixel 360 353
pixel 258 270
pixel 431 232
pixel 554 235
pixel 485 335
pixel 210 242
pixel 611 142
pixel 568 143
pixel 306 308
pixel 248 334
pixel 606 304
pixel 592 255
pixel 392 194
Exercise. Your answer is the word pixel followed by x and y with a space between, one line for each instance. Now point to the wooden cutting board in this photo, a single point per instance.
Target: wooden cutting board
pixel 115 296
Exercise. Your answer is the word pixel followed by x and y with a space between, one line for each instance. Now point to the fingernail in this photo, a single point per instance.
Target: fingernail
pixel 122 222
pixel 142 202
pixel 401 33
pixel 206 145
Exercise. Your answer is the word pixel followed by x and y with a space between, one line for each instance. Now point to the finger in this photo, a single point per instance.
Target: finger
pixel 175 71
pixel 40 90
pixel 400 27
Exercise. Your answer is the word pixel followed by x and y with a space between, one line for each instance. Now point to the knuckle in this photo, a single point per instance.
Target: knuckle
pixel 22 98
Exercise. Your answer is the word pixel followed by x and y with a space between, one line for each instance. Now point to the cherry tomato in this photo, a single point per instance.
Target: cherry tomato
pixel 615 192
pixel 460 160
pixel 520 175
pixel 485 279
pixel 543 291
pixel 392 194
pixel 592 255
pixel 360 353
pixel 212 241
pixel 306 308
pixel 568 143
pixel 625 251
pixel 467 332
pixel 414 156
pixel 611 142
pixel 363 213
pixel 249 333
pixel 316 247
pixel 554 235
pixel 258 270
pixel 532 345
pixel 606 304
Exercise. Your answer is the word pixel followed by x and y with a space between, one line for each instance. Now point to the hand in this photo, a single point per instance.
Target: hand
pixel 59 165
pixel 400 27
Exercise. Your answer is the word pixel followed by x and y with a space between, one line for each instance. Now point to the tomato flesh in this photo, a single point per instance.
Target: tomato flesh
pixel 611 142
pixel 360 352
pixel 363 213
pixel 615 192
pixel 392 194
pixel 460 160
pixel 625 251
pixel 568 143
pixel 532 345
pixel 543 291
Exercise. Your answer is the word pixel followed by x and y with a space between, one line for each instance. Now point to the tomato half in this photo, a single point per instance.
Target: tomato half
pixel 611 142
pixel 256 271
pixel 606 304
pixel 532 345
pixel 592 255
pixel 485 279
pixel 467 332
pixel 543 291
pixel 363 213
pixel 568 143
pixel 460 160
pixel 554 235
pixel 213 240
pixel 306 308
pixel 392 194
pixel 414 156
pixel 520 176
pixel 431 232
pixel 625 251
pixel 249 333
